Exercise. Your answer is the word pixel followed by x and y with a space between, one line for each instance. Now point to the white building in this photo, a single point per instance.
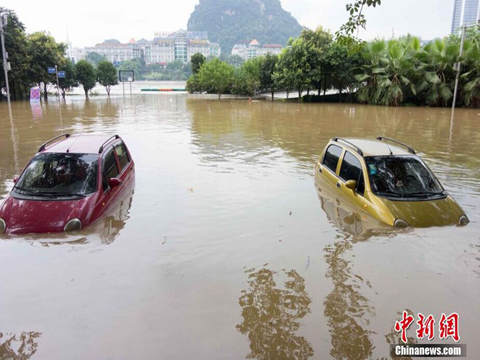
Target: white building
pixel 253 49
pixel 163 49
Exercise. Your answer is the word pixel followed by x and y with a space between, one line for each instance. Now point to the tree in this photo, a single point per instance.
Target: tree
pixel 86 75
pixel 216 76
pixel 197 61
pixel 95 58
pixel 356 17
pixel 267 68
pixel 70 79
pixel 44 52
pixel 18 56
pixel 107 75
pixel 247 78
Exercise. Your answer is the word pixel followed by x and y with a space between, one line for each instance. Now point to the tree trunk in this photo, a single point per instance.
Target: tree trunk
pixel 273 93
pixel 308 92
pixel 45 95
pixel 86 92
pixel 219 94
pixel 108 90
pixel 299 95
pixel 63 94
pixel 287 94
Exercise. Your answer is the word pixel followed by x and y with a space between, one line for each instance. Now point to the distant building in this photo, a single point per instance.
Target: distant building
pixel 467 14
pixel 166 47
pixel 253 49
pixel 116 52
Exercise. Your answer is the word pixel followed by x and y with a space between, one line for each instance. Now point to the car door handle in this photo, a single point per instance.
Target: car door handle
pixel 338 184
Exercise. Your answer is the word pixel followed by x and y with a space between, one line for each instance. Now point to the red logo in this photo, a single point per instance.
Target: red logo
pixel 447 326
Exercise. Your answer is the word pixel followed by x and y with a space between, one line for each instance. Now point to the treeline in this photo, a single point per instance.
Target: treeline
pixel 175 70
pixel 384 72
pixel 30 56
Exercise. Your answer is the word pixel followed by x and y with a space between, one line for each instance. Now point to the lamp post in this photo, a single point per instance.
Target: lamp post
pixel 3 23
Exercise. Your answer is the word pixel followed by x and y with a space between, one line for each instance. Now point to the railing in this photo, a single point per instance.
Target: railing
pixel 100 150
pixel 44 145
pixel 383 138
pixel 337 139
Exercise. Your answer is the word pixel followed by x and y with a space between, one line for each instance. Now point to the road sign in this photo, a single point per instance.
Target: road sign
pixel 51 70
pixel 61 74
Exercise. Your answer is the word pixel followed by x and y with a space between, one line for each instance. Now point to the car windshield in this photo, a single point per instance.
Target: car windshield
pixel 401 176
pixel 59 174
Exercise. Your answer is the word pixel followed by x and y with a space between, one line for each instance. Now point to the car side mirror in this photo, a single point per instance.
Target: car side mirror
pixel 112 182
pixel 351 184
pixel 15 179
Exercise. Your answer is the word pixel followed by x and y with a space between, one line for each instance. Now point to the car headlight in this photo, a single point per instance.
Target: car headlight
pixel 463 220
pixel 399 223
pixel 73 225
pixel 3 226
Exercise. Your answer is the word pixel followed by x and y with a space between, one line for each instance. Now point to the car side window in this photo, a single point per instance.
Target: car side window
pixel 331 157
pixel 110 169
pixel 351 169
pixel 122 155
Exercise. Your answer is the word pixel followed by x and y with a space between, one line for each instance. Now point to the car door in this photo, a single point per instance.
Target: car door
pixel 329 166
pixel 351 169
pixel 124 162
pixel 110 169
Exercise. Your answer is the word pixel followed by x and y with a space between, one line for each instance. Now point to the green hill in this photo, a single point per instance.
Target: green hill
pixel 232 21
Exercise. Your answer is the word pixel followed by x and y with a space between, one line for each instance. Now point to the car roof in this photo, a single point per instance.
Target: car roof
pixel 374 147
pixel 78 144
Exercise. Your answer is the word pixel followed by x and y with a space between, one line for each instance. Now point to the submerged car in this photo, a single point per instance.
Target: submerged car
pixel 68 184
pixel 388 180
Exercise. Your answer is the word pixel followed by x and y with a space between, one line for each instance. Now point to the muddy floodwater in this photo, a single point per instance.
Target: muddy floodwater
pixel 226 250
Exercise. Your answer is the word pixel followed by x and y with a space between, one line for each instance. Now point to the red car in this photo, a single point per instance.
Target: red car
pixel 68 184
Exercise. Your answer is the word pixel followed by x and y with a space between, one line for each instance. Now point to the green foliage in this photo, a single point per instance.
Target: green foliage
pixel 86 75
pixel 232 21
pixel 95 58
pixel 107 75
pixel 267 69
pixel 356 17
pixel 70 79
pixel 17 46
pixel 247 78
pixel 216 76
pixel 234 60
pixel 197 61
pixel 44 52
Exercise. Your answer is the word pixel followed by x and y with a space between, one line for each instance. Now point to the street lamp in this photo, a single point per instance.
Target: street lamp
pixel 6 64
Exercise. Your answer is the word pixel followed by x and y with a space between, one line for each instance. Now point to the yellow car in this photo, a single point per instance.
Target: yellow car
pixel 388 180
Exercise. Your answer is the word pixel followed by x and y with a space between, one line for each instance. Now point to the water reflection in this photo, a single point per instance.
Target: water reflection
pixel 350 220
pixel 271 315
pixel 18 347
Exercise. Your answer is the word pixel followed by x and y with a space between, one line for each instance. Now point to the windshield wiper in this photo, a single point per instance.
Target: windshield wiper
pixel 53 193
pixel 427 193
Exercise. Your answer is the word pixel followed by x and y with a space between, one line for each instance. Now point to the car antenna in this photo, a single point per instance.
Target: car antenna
pixel 391 152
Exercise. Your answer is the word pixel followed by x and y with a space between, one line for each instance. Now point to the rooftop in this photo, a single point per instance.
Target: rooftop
pixel 372 147
pixel 78 144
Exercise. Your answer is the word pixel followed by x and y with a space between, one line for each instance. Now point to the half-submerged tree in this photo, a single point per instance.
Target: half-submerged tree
pixel 107 75
pixel 86 75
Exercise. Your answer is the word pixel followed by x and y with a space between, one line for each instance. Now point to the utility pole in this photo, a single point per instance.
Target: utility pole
pixel 58 86
pixel 3 20
pixel 458 66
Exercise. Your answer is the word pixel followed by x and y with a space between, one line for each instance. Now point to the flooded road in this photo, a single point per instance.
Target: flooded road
pixel 226 249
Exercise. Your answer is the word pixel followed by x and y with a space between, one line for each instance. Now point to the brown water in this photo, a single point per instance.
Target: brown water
pixel 225 249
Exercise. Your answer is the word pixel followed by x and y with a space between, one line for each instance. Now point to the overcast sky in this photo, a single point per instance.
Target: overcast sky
pixel 88 22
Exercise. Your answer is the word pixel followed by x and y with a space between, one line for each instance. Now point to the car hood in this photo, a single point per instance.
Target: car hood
pixel 425 213
pixel 41 216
